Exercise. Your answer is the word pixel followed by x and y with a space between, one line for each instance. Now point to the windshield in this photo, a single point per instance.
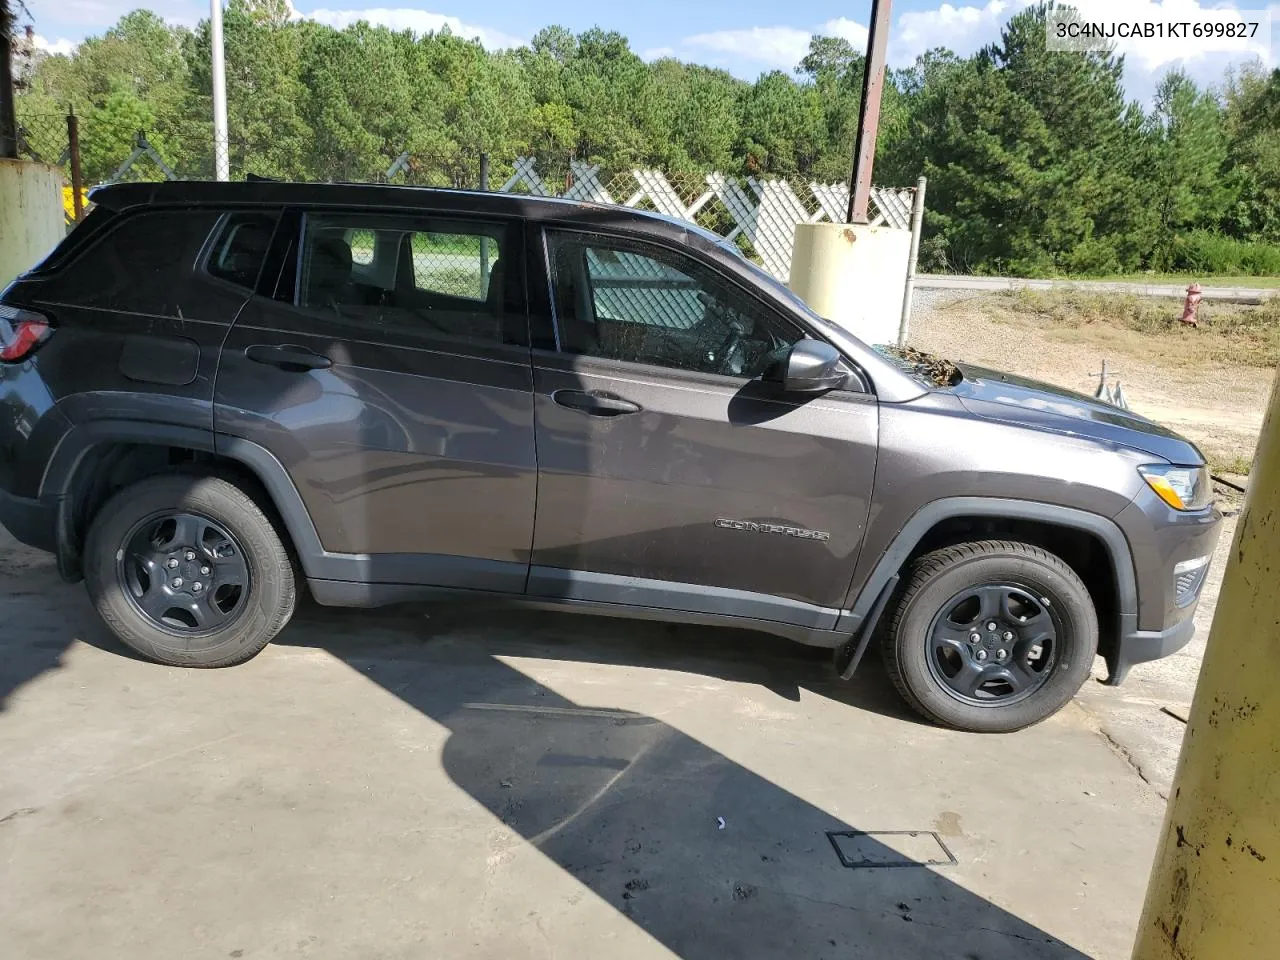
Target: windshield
pixel 773 283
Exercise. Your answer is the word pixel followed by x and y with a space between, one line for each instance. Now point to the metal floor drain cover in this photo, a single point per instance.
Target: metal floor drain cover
pixel 890 848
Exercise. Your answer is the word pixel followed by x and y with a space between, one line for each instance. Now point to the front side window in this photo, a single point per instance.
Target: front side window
pixel 426 276
pixel 640 303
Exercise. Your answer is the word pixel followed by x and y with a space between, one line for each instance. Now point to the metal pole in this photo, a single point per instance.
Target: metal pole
pixel 1215 883
pixel 73 152
pixel 917 217
pixel 8 121
pixel 221 161
pixel 864 150
pixel 484 171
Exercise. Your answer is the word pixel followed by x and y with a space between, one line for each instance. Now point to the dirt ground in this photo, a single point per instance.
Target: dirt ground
pixel 1217 405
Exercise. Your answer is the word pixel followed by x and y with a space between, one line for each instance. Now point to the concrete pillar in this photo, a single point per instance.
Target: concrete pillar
pixel 1215 886
pixel 853 275
pixel 32 221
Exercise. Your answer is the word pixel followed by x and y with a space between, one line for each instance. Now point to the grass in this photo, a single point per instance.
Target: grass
pixel 1205 280
pixel 1236 464
pixel 1233 334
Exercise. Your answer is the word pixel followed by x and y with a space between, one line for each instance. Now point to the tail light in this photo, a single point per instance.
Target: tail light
pixel 21 331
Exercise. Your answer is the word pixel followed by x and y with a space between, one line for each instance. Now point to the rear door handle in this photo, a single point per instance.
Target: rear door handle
pixel 595 403
pixel 287 356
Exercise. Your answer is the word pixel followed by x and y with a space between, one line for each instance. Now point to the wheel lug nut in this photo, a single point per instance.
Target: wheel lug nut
pixel 177 581
pixel 171 563
pixel 1007 635
pixel 190 554
pixel 1000 654
pixel 991 625
pixel 981 655
pixel 197 588
pixel 205 571
pixel 975 638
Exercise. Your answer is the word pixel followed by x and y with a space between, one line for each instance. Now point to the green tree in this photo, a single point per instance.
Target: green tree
pixel 1252 121
pixel 1187 151
pixel 265 127
pixel 110 132
pixel 1037 163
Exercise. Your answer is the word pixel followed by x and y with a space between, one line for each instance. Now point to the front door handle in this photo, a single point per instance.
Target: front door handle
pixel 595 403
pixel 287 356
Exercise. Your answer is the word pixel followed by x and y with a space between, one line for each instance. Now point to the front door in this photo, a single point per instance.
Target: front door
pixel 669 476
pixel 388 371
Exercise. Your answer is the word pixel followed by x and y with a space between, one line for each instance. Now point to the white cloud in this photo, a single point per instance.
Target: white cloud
pixel 851 30
pixel 419 21
pixel 960 29
pixel 771 46
pixel 657 53
pixel 61 45
pixel 778 47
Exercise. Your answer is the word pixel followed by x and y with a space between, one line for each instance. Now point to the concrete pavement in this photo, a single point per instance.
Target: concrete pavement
pixel 482 784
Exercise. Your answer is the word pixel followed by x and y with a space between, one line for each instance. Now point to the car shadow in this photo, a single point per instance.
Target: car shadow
pixel 708 857
pixel 625 803
pixel 33 615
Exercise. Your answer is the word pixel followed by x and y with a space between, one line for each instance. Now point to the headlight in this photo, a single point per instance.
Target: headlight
pixel 1183 488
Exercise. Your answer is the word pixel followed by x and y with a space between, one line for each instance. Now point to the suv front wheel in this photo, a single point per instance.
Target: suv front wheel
pixel 187 570
pixel 991 636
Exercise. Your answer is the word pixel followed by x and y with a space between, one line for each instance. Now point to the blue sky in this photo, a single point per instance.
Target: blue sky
pixel 745 36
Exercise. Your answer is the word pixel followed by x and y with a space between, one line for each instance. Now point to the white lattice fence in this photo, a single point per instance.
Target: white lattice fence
pixel 765 211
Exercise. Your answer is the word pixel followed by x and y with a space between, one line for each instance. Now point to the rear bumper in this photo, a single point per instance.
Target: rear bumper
pixel 30 521
pixel 1139 646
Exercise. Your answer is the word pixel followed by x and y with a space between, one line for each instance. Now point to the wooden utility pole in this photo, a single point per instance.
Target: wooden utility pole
pixel 864 150
pixel 8 121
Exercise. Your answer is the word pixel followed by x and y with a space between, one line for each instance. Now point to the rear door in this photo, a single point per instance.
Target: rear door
pixel 669 475
pixel 386 366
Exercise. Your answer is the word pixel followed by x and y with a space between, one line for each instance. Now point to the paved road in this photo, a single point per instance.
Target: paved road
pixel 936 281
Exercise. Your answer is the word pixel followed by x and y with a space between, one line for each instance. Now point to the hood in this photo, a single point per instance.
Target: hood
pixel 1012 399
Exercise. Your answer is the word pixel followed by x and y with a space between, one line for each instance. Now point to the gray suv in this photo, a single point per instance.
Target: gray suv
pixel 211 394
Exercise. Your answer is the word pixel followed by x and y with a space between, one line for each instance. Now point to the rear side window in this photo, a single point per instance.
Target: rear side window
pixel 240 248
pixel 421 276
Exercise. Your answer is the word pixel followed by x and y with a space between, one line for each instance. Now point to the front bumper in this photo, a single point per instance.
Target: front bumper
pixel 30 521
pixel 1139 646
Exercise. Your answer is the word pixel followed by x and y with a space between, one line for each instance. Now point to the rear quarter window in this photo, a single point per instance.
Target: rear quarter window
pixel 148 264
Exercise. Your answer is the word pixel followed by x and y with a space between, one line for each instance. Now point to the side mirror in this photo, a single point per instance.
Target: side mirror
pixel 809 366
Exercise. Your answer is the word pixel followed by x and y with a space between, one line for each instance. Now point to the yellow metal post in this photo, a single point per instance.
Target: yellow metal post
pixel 1214 892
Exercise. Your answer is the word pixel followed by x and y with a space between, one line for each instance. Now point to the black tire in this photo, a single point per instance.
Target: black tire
pixel 921 648
pixel 260 606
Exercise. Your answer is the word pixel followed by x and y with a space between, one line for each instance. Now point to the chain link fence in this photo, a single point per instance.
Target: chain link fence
pixel 758 214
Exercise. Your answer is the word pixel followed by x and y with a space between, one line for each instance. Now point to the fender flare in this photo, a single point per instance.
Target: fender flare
pixel 861 619
pixel 61 473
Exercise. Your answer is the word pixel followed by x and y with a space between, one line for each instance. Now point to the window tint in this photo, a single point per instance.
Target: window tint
pixel 642 304
pixel 143 263
pixel 240 248
pixel 432 277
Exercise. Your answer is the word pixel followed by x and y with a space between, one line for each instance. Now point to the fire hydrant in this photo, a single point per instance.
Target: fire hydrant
pixel 1194 296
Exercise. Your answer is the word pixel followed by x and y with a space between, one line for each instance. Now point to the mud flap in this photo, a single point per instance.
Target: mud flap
pixel 846 657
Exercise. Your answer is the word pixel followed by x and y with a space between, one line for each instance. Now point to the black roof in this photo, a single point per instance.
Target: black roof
pixel 122 196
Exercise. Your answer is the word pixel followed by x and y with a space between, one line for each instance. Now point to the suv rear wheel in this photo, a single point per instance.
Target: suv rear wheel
pixel 187 570
pixel 991 636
